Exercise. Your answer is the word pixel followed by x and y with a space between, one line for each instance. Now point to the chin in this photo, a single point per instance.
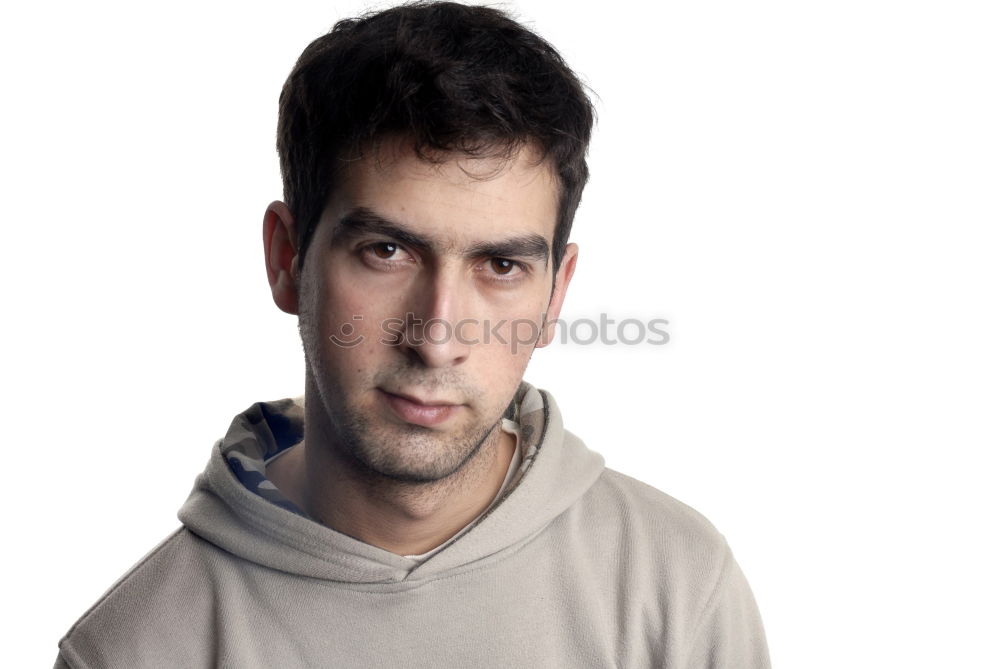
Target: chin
pixel 411 454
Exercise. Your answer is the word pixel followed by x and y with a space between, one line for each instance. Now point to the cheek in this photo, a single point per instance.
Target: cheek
pixel 340 324
pixel 346 303
pixel 507 342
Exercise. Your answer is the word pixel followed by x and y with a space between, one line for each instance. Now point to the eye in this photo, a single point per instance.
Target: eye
pixel 504 270
pixel 503 265
pixel 385 255
pixel 384 250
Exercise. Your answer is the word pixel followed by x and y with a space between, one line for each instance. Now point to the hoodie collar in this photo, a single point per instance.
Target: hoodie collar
pixel 266 528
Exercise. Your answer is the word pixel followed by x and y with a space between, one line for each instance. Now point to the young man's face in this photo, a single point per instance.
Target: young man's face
pixel 434 280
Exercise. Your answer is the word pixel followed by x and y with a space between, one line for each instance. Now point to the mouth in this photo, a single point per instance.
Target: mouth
pixel 426 412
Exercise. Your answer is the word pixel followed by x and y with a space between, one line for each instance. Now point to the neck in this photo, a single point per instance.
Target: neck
pixel 401 517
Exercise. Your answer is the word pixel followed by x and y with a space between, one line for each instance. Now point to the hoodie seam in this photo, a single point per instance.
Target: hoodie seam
pixel 67 652
pixel 710 604
pixel 487 561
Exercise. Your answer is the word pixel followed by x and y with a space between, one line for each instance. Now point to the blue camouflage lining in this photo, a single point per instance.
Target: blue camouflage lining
pixel 269 428
pixel 257 435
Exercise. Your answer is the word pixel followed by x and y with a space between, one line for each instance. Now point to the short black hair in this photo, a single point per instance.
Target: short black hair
pixel 453 78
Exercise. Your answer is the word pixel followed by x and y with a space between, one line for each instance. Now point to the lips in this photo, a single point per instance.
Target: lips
pixel 420 411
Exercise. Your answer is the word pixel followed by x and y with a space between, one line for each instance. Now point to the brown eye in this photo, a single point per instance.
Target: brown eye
pixel 502 265
pixel 384 250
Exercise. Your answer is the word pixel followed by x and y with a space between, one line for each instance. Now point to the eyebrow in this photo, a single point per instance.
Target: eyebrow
pixel 362 220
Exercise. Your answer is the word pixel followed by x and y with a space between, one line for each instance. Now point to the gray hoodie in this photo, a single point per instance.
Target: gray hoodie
pixel 575 566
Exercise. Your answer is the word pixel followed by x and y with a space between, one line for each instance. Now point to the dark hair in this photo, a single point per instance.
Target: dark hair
pixel 451 77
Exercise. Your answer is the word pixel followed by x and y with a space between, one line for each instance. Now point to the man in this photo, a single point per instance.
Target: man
pixel 422 506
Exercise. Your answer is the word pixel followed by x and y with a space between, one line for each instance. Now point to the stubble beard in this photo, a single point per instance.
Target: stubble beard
pixel 406 454
pixel 380 451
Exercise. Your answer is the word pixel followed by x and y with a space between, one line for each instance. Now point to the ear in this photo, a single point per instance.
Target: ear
pixel 563 276
pixel 280 256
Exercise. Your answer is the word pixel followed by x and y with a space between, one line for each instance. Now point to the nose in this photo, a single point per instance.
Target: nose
pixel 437 334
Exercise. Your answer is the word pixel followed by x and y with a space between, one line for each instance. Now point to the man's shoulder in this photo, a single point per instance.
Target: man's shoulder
pixel 146 569
pixel 652 529
pixel 163 591
pixel 668 554
pixel 651 508
pixel 651 547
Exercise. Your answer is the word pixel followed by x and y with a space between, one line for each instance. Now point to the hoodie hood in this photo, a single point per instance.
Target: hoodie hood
pixel 556 470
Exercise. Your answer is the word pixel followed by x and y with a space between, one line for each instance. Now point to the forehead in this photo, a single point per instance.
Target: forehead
pixel 454 198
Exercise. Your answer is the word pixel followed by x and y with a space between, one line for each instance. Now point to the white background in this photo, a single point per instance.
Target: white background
pixel 807 191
